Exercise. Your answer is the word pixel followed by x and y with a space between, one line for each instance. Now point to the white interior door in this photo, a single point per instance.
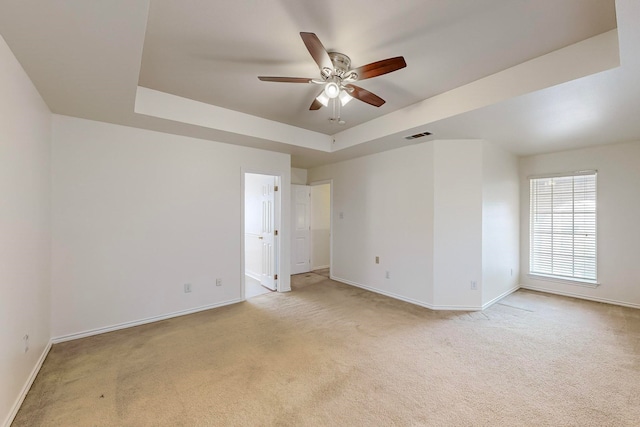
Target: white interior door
pixel 268 277
pixel 301 217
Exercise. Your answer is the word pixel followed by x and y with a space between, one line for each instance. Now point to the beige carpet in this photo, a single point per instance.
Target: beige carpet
pixel 328 354
pixel 322 272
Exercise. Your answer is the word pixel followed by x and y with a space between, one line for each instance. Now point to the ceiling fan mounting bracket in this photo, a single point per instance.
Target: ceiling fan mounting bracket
pixel 341 63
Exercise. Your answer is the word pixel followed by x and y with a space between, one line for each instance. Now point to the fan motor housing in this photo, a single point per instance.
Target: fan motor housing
pixel 341 62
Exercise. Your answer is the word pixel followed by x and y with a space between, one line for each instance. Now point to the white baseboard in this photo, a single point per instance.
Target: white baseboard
pixel 424 304
pixel 320 267
pixel 27 386
pixel 405 299
pixel 125 325
pixel 458 307
pixel 385 293
pixel 580 296
pixel 499 297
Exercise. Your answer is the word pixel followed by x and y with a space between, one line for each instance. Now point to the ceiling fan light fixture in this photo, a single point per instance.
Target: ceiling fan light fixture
pixel 336 77
pixel 323 99
pixel 332 90
pixel 345 97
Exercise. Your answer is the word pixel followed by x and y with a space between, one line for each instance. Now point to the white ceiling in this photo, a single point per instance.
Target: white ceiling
pixel 212 53
pixel 87 59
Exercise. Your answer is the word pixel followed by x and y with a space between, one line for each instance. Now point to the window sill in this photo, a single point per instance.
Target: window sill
pixel 576 282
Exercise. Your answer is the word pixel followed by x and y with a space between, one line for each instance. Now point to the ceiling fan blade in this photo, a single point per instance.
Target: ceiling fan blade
pixel 379 68
pixel 285 79
pixel 317 50
pixel 365 96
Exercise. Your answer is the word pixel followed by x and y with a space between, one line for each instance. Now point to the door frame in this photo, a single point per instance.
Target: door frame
pixel 330 182
pixel 277 224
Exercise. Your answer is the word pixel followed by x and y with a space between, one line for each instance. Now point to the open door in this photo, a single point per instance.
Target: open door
pixel 311 227
pixel 261 205
pixel 300 241
pixel 268 278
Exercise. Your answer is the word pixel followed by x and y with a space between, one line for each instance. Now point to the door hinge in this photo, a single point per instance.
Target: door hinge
pixel 275 232
pixel 275 188
pixel 275 277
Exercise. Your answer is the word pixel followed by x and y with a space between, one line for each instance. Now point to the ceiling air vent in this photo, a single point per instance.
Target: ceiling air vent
pixel 418 135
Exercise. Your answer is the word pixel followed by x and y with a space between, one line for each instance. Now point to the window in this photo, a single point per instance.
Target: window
pixel 563 226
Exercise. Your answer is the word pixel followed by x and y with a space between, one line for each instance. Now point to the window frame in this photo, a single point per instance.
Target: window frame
pixel 588 282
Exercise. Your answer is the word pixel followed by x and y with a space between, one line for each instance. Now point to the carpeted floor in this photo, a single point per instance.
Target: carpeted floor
pixel 322 272
pixel 328 354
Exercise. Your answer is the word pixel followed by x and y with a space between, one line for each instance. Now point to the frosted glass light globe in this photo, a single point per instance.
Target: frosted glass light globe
pixel 332 90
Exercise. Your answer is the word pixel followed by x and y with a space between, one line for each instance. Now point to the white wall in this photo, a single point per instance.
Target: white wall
pixel 500 223
pixel 618 226
pixel 383 206
pixel 457 224
pixel 136 214
pixel 320 225
pixel 441 215
pixel 298 176
pixel 25 208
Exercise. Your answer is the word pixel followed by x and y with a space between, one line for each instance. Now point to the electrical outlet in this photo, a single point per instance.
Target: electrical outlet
pixel 377 260
pixel 218 282
pixel 187 288
pixel 474 285
pixel 387 275
pixel 341 215
pixel 512 272
pixel 26 342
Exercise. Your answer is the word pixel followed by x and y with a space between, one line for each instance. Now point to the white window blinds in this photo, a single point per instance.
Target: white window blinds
pixel 563 226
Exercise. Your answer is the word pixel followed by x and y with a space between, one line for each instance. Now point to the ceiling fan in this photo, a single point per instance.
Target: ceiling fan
pixel 337 77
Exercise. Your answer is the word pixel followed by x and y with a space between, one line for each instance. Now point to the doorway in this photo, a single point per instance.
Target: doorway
pixel 261 219
pixel 311 228
pixel 321 228
pixel 301 229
